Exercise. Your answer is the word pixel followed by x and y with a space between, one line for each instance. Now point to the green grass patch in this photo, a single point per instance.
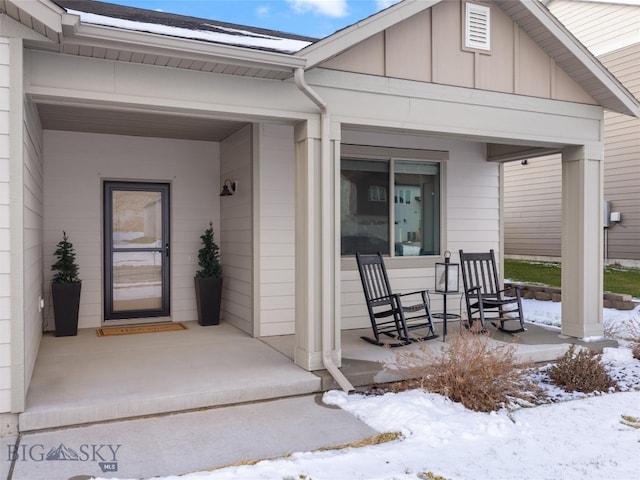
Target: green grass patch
pixel 616 279
pixel 537 273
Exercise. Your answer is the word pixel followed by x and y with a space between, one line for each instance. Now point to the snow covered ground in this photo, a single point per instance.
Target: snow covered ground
pixel 576 437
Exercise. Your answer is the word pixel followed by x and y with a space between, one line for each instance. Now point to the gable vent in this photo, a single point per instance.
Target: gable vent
pixel 477 33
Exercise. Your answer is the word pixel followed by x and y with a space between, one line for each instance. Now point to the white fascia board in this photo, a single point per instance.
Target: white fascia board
pixel 346 38
pixel 609 81
pixel 109 37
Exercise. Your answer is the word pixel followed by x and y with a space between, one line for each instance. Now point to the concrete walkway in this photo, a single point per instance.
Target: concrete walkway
pixel 183 442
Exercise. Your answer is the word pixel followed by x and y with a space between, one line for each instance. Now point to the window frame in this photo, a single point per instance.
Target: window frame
pixel 391 155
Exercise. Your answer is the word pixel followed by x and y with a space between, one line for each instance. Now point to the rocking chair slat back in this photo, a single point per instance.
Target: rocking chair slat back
pixel 479 270
pixel 375 282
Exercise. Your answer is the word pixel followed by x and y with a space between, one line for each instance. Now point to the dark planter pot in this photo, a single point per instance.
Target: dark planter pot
pixel 208 299
pixel 66 303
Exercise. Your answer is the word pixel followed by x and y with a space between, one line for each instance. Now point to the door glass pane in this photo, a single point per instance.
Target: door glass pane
pixel 136 254
pixel 137 281
pixel 364 206
pixel 137 219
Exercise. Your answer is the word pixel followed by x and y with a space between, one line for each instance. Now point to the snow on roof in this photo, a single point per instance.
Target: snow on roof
pixel 127 18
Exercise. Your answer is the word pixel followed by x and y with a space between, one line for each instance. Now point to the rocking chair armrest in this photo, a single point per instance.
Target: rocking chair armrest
pixel 510 289
pixel 422 292
pixel 472 289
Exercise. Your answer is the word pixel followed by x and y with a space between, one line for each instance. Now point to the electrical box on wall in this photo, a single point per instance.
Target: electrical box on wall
pixel 615 217
pixel 606 213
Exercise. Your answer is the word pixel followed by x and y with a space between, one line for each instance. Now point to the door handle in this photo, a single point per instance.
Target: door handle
pixel 166 250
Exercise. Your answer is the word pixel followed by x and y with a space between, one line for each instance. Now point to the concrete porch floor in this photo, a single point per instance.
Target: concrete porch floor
pixel 87 379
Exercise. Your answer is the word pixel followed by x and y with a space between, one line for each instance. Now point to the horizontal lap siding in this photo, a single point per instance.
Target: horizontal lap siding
pixel 471 219
pixel 532 207
pixel 75 165
pixel 5 246
pixel 622 164
pixel 236 234
pixel 33 224
pixel 533 192
pixel 276 166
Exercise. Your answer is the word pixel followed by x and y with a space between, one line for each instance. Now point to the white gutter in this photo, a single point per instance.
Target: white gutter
pixel 326 222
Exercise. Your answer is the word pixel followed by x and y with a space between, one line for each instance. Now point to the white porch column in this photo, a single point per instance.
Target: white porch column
pixel 317 277
pixel 582 236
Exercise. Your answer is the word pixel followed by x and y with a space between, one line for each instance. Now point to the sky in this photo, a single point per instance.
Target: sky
pixel 573 437
pixel 312 18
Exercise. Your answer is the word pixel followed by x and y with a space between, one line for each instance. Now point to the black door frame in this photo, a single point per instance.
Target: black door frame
pixel 108 250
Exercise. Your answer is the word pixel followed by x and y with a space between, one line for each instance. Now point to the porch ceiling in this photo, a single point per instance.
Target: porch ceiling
pixel 135 123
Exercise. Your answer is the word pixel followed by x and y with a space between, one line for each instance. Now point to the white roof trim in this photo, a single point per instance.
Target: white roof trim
pixel 96 35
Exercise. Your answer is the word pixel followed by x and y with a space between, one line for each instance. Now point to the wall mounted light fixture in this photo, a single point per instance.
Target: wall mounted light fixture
pixel 228 188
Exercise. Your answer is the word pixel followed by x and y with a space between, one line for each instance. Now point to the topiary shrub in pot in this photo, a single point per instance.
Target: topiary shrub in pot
pixel 65 289
pixel 208 280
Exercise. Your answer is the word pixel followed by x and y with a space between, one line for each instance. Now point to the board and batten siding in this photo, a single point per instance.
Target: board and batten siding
pixel 471 218
pixel 5 244
pixel 275 214
pixel 75 166
pixel 427 47
pixel 236 230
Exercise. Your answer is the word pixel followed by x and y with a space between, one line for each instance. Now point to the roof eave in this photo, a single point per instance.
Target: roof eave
pixel 110 37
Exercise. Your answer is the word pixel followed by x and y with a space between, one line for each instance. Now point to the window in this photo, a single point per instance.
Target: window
pixel 370 223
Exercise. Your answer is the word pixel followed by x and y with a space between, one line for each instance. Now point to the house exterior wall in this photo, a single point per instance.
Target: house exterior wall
pixel 5 243
pixel 532 207
pixel 236 230
pixel 75 166
pixel 601 26
pixel 533 191
pixel 275 211
pixel 426 48
pixel 470 220
pixel 33 228
pixel 622 163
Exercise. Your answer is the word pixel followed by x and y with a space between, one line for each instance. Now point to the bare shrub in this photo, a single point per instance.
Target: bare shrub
pixel 581 371
pixel 613 329
pixel 632 336
pixel 627 333
pixel 482 376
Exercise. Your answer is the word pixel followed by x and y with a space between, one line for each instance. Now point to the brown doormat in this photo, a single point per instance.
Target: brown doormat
pixel 133 329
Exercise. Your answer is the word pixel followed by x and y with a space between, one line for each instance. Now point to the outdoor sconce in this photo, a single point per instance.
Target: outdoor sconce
pixel 447 275
pixel 228 188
